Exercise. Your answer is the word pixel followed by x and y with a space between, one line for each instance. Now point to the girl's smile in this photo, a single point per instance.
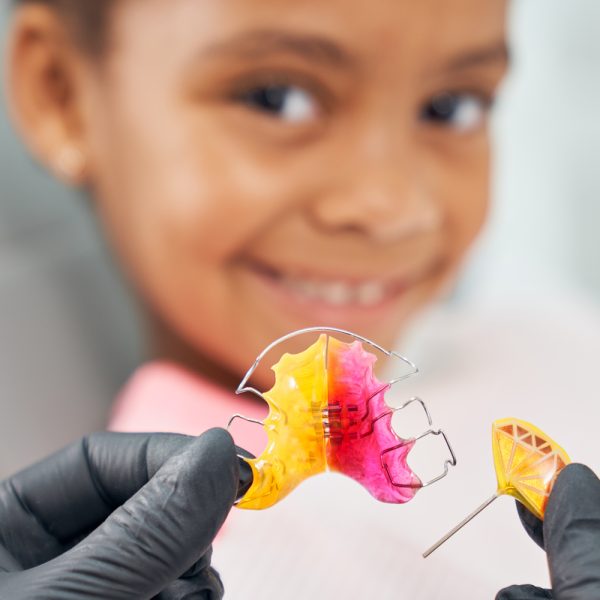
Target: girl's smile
pixel 344 295
pixel 351 303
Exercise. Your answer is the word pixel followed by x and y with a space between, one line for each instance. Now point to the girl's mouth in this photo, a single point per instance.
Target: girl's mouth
pixel 324 296
pixel 337 293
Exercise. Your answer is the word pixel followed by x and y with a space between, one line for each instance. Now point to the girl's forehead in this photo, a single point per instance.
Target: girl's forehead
pixel 426 26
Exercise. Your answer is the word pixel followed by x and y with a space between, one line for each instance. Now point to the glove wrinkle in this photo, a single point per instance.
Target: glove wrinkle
pixel 22 533
pixel 204 585
pixel 101 490
pixel 8 563
pixel 199 566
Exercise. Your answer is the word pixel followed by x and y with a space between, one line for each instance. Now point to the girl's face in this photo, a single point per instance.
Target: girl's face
pixel 263 166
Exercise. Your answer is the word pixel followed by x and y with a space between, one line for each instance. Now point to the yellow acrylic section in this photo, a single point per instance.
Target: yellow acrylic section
pixel 295 431
pixel 527 462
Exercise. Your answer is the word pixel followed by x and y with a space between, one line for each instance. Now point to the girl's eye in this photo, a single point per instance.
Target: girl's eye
pixel 462 111
pixel 287 102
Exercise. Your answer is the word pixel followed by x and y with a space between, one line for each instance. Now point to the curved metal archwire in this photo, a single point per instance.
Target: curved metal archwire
pixel 243 388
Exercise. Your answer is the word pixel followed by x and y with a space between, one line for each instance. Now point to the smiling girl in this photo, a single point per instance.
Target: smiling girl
pixel 262 166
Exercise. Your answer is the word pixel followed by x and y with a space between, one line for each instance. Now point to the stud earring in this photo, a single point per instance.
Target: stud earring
pixel 71 164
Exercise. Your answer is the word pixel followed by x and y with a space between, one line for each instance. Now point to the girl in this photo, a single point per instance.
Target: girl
pixel 261 166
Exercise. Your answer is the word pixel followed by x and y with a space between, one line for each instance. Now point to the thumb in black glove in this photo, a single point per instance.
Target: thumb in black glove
pixel 119 516
pixel 570 534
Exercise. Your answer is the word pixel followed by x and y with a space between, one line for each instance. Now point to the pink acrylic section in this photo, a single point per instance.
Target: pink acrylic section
pixel 359 434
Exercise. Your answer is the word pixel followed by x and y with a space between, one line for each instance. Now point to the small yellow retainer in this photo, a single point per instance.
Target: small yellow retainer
pixel 527 463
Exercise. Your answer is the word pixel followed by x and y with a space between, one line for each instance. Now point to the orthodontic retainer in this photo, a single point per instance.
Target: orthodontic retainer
pixel 328 413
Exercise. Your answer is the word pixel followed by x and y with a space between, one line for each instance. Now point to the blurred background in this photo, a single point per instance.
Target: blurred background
pixel 67 326
pixel 543 230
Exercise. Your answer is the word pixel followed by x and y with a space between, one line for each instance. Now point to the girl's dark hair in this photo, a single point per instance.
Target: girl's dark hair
pixel 87 20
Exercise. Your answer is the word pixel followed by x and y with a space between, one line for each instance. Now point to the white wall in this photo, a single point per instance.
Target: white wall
pixel 545 226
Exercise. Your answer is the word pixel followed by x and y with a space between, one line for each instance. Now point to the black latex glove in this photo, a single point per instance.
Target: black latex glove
pixel 570 534
pixel 119 516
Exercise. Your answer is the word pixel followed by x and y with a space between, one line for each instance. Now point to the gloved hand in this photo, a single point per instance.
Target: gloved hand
pixel 119 516
pixel 570 534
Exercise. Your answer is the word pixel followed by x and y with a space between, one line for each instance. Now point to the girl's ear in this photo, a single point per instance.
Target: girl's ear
pixel 46 77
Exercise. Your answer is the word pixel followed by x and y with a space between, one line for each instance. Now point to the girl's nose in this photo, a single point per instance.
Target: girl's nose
pixel 385 202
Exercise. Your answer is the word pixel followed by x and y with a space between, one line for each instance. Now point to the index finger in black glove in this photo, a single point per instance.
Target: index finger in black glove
pixel 49 506
pixel 46 507
pixel 151 540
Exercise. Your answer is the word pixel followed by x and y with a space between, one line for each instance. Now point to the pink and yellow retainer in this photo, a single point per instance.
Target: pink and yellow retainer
pixel 328 413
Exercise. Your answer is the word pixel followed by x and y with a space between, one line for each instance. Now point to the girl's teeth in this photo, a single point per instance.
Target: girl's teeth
pixel 338 293
pixel 308 289
pixel 370 293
